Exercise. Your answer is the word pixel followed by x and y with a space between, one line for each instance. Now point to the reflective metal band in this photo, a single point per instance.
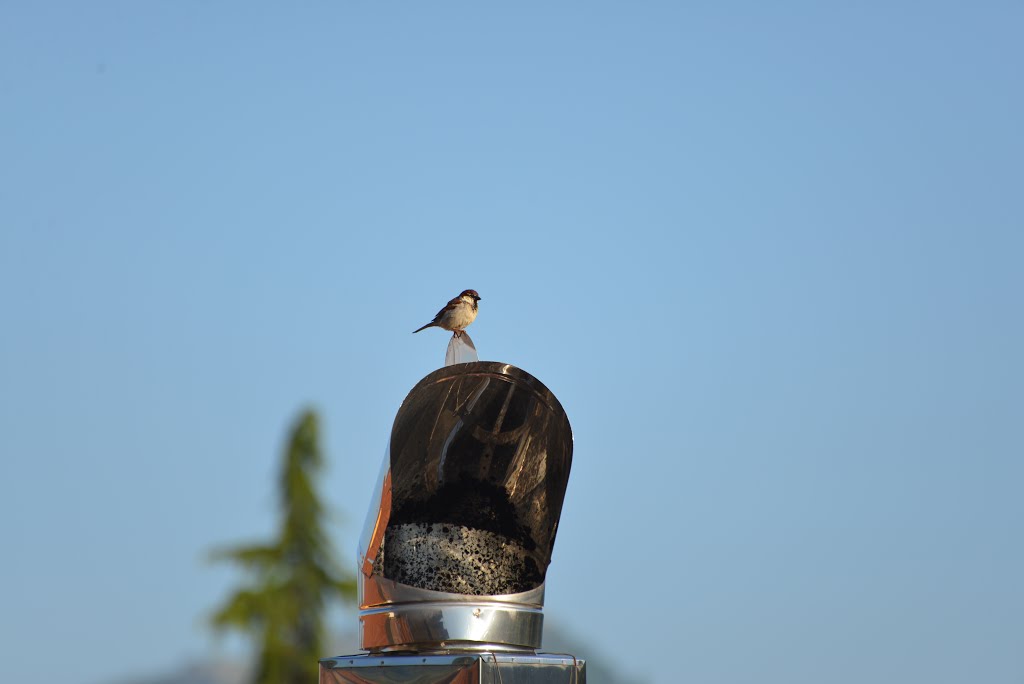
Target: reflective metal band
pixel 466 626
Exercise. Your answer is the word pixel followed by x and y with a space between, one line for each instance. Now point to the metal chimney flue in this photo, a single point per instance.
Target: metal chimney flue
pixel 460 533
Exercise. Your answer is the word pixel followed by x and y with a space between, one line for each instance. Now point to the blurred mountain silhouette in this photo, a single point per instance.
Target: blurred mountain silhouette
pixel 200 672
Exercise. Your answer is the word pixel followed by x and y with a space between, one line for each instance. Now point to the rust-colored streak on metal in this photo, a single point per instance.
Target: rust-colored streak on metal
pixel 383 515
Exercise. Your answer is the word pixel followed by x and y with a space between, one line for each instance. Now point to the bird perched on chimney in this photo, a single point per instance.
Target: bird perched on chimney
pixel 457 314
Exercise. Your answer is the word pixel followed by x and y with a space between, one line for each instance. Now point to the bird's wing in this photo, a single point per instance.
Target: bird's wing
pixel 447 307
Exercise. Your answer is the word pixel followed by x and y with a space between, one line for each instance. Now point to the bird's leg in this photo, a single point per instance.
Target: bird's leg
pixel 457 333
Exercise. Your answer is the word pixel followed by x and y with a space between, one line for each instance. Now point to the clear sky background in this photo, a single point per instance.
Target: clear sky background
pixel 768 256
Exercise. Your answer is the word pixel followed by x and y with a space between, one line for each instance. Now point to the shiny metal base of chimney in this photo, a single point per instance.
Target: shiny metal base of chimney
pixel 454 668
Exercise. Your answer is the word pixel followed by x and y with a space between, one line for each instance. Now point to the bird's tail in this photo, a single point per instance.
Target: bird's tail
pixel 428 325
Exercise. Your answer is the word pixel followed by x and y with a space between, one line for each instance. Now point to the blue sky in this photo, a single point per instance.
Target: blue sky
pixel 768 256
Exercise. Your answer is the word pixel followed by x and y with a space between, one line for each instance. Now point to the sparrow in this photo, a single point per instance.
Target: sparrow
pixel 456 315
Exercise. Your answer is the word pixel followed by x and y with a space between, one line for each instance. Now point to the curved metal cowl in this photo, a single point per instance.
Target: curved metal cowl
pixel 458 541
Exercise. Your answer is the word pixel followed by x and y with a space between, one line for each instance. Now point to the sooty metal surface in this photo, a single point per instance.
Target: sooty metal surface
pixel 460 532
pixel 484 447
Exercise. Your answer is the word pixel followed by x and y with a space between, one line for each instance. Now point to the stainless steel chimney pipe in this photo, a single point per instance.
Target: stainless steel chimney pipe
pixel 460 532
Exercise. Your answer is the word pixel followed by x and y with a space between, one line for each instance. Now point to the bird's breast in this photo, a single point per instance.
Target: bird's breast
pixel 461 316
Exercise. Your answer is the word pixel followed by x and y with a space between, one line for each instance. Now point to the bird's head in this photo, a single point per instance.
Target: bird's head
pixel 470 296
